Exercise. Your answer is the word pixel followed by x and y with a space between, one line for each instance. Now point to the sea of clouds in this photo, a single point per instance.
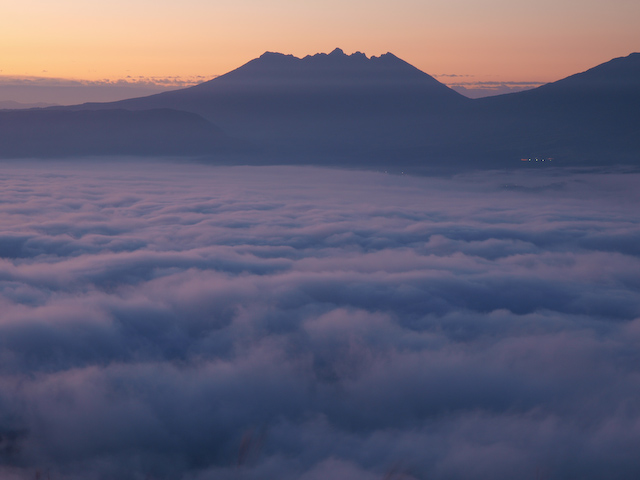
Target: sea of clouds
pixel 181 321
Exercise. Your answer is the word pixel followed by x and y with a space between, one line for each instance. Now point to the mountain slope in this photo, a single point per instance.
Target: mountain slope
pixel 590 117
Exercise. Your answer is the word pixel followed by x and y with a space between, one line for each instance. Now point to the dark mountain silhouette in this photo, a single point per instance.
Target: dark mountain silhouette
pixel 325 103
pixel 59 133
pixel 358 110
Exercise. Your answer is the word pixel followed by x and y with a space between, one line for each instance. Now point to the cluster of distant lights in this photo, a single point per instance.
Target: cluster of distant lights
pixel 536 159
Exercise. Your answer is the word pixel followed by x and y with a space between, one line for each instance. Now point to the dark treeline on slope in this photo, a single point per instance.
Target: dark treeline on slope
pixel 354 109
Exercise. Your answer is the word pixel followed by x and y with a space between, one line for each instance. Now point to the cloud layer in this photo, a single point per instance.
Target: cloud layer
pixel 190 322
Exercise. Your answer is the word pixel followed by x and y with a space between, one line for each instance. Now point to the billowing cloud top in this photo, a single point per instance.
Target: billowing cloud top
pixel 187 322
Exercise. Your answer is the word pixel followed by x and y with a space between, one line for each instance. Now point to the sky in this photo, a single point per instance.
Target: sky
pixel 181 321
pixel 478 41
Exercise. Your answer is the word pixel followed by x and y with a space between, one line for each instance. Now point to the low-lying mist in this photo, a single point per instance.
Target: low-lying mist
pixel 168 321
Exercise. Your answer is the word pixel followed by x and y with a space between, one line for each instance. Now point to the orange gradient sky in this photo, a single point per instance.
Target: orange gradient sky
pixel 503 40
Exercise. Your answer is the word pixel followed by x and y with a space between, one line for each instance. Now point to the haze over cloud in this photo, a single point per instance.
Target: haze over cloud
pixel 193 322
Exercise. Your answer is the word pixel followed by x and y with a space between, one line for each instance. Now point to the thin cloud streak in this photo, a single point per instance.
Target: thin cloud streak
pixel 463 84
pixel 172 81
pixel 194 322
pixel 479 89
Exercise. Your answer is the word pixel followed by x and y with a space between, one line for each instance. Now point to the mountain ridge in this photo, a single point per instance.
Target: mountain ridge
pixel 321 70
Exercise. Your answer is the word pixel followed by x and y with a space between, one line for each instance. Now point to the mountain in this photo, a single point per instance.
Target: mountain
pixel 325 103
pixel 61 133
pixel 353 110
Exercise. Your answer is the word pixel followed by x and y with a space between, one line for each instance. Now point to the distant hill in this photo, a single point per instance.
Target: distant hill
pixel 60 133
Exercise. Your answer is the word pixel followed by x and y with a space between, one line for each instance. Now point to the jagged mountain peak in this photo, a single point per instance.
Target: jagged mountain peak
pixel 336 55
pixel 273 55
pixel 336 69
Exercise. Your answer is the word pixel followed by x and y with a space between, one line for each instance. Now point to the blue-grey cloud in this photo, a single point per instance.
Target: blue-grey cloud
pixel 162 320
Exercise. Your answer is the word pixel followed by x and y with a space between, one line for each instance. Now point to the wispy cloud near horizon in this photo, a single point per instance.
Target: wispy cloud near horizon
pixel 484 88
pixel 194 322
pixel 66 91
pixel 175 81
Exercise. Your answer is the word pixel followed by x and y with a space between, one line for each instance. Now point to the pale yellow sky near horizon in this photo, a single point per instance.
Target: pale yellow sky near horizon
pixel 488 40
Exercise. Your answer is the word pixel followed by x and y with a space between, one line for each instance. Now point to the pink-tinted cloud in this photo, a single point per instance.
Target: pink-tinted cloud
pixel 170 320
